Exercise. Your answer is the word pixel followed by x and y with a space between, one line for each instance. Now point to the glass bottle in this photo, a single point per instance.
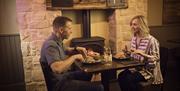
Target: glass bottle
pixel 107 54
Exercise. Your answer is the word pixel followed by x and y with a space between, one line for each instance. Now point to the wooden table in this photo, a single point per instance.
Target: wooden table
pixel 105 68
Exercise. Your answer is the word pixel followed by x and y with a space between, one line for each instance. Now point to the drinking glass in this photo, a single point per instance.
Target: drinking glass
pixel 107 54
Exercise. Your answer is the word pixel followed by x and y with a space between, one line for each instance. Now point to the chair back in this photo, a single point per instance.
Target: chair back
pixel 147 86
pixel 47 75
pixel 163 60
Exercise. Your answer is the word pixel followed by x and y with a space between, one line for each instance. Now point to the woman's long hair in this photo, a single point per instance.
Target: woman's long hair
pixel 144 29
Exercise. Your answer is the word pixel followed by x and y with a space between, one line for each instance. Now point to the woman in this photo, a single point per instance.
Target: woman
pixel 145 48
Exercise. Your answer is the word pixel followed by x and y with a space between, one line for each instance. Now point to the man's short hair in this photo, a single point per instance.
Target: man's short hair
pixel 60 21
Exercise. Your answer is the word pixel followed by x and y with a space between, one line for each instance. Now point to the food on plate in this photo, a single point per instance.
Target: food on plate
pixel 93 54
pixel 90 59
pixel 119 55
pixel 90 52
pixel 97 57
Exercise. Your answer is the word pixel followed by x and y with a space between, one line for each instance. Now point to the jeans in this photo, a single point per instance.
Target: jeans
pixel 128 81
pixel 78 81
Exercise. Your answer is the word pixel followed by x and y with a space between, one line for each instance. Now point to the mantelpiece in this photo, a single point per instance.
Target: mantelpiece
pixel 87 4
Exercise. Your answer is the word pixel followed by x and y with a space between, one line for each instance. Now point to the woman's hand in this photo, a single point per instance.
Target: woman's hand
pixel 140 52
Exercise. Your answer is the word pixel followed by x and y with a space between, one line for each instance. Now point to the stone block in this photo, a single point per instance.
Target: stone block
pixel 50 15
pixel 25 35
pixel 39 24
pixel 22 20
pixel 39 1
pixel 38 16
pixel 37 75
pixel 25 49
pixel 36 86
pixel 127 36
pixel 27 63
pixel 39 7
pixel 23 5
pixel 27 74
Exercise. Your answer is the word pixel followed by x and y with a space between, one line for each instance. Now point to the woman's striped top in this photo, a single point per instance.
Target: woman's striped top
pixel 151 47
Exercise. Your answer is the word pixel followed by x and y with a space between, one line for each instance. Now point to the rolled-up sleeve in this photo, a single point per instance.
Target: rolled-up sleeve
pixel 154 50
pixel 52 54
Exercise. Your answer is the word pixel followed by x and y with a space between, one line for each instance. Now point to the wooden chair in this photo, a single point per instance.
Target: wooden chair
pixel 147 86
pixel 47 76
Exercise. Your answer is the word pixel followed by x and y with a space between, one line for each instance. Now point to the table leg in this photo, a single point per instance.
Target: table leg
pixel 106 76
pixel 105 80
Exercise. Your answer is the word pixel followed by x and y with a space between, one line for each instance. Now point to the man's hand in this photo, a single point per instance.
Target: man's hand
pixel 78 57
pixel 83 51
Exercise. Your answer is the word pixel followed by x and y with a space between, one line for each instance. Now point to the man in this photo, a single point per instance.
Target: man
pixel 55 56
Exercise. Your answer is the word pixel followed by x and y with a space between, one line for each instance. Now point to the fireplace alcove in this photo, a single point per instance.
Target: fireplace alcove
pixel 96 43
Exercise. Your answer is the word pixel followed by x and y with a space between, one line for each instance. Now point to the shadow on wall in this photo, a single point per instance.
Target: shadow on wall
pixel 165 33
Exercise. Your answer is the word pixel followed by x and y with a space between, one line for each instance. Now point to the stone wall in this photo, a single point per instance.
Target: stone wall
pixel 34 23
pixel 120 32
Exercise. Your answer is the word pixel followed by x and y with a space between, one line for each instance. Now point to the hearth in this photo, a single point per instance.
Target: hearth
pixel 95 43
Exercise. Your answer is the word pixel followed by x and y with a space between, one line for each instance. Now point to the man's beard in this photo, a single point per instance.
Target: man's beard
pixel 65 36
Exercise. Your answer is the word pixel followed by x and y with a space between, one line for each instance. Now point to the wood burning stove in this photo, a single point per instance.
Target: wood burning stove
pixel 95 43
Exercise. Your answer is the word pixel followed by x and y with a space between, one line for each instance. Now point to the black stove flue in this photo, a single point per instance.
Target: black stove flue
pixel 95 43
pixel 86 24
